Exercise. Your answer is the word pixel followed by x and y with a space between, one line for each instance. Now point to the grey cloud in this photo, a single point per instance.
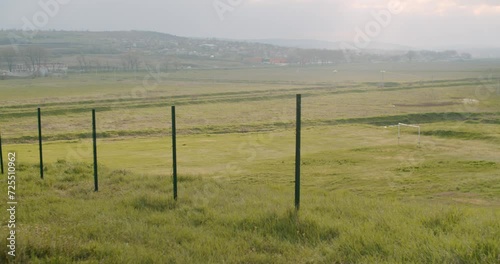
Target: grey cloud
pixel 332 20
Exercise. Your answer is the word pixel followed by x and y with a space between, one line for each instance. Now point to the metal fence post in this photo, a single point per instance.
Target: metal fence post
pixel 40 141
pixel 297 153
pixel 174 152
pixel 94 137
pixel 1 154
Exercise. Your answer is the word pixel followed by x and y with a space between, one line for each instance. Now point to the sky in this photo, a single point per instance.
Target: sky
pixel 414 23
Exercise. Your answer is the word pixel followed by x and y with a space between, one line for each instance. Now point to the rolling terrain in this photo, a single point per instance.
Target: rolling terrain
pixel 365 197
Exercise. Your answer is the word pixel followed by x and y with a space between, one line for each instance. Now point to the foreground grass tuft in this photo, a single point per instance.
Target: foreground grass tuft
pixel 289 228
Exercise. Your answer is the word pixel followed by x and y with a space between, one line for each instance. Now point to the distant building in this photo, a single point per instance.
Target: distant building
pixel 211 46
pixel 56 67
pixel 278 61
pixel 20 68
pixel 43 68
pixel 46 69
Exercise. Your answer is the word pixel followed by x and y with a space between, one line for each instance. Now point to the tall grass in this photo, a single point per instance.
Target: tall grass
pixel 133 219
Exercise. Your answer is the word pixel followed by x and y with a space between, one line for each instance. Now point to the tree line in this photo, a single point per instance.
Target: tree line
pixel 32 57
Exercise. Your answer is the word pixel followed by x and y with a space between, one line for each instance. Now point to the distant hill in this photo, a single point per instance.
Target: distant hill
pixel 483 52
pixel 136 50
pixel 321 44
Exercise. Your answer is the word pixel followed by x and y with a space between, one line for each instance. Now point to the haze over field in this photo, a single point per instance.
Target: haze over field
pixel 250 131
pixel 422 24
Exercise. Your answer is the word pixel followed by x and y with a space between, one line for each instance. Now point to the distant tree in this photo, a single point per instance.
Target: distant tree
pixel 131 61
pixel 35 57
pixel 176 63
pixel 108 66
pixel 450 53
pixel 164 66
pixel 466 56
pixel 150 66
pixel 124 63
pixel 97 65
pixel 83 63
pixel 10 57
pixel 411 55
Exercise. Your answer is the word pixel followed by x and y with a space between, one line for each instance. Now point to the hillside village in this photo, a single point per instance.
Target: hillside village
pixel 58 52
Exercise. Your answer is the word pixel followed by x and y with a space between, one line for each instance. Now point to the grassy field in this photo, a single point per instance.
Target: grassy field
pixel 365 198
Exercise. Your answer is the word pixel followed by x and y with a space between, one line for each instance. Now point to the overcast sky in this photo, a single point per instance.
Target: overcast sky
pixel 419 23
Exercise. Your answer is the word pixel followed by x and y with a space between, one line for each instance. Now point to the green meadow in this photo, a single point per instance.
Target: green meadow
pixel 366 197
